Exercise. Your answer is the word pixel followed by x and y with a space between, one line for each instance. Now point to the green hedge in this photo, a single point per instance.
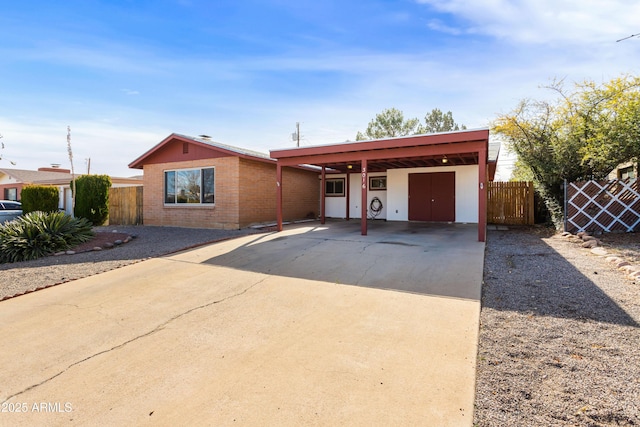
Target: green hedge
pixel 92 198
pixel 44 198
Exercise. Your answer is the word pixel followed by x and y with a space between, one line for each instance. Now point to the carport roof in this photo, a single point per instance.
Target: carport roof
pixel 427 150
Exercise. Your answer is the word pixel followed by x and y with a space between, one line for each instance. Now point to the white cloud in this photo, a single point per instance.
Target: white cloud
pixel 545 21
pixel 438 25
pixel 111 148
pixel 254 101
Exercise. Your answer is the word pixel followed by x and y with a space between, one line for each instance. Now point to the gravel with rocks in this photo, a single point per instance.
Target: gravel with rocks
pixel 23 277
pixel 559 335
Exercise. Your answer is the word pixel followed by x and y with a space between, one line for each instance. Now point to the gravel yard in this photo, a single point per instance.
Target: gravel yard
pixel 21 277
pixel 559 334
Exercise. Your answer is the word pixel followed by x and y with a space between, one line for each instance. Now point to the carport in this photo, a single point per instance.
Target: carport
pixel 418 153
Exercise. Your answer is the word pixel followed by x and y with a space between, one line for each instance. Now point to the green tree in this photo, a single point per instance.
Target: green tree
pixel 582 134
pixel 388 124
pixel 391 123
pixel 437 121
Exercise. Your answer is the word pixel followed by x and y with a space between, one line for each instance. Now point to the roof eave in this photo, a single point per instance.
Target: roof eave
pixel 405 141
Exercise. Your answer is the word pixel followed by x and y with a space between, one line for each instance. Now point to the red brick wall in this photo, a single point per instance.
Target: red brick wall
pixel 245 195
pixel 258 193
pixel 223 214
pixel 300 194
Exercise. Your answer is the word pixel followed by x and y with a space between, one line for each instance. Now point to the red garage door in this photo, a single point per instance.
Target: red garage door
pixel 432 196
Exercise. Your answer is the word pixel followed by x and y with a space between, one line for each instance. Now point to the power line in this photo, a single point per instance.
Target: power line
pixel 631 36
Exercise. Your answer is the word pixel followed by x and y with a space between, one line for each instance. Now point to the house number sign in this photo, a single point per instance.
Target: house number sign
pixel 364 178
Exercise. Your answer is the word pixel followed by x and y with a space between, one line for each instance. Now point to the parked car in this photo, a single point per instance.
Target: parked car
pixel 9 210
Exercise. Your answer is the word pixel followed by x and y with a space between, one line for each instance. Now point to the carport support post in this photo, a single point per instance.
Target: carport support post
pixel 482 194
pixel 322 194
pixel 279 195
pixel 363 208
pixel 348 193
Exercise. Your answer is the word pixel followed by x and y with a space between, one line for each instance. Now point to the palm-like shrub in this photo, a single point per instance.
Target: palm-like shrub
pixel 37 234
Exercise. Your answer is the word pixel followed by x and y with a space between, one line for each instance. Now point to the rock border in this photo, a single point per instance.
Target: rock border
pixel 592 243
pixel 105 245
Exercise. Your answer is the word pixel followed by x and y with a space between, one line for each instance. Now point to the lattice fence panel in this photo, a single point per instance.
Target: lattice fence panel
pixel 603 206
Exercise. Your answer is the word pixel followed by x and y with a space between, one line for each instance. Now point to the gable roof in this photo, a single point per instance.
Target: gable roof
pixel 201 141
pixel 30 176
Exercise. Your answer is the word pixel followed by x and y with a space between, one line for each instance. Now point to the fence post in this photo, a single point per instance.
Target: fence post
pixel 565 205
pixel 530 203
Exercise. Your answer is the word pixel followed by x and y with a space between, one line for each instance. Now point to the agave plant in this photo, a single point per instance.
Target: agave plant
pixel 37 234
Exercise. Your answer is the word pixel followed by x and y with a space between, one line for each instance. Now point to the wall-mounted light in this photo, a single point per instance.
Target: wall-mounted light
pixel 444 159
pixel 349 166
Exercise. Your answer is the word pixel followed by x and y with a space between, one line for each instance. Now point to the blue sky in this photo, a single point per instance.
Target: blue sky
pixel 125 74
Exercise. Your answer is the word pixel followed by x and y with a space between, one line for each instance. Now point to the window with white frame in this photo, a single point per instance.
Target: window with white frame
pixel 377 183
pixel 334 187
pixel 189 186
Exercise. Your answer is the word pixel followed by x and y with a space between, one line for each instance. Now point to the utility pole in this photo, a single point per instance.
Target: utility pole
pixel 298 133
pixel 89 166
pixel 73 176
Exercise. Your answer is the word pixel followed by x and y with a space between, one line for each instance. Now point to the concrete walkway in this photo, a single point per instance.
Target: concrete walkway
pixel 316 325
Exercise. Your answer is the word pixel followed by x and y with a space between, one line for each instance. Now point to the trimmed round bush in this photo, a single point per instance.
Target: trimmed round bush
pixel 37 234
pixel 39 198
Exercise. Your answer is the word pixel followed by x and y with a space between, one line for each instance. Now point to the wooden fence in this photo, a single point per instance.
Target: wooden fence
pixel 125 205
pixel 510 203
pixel 602 206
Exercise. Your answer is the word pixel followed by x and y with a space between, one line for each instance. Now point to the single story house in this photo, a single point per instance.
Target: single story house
pixel 197 182
pixel 12 181
pixel 431 177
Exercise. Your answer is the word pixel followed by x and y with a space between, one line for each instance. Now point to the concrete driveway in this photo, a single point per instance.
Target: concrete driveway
pixel 316 325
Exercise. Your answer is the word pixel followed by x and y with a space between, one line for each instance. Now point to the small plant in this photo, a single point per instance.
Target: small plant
pixel 37 234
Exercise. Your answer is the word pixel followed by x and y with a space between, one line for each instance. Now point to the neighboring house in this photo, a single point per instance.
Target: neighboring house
pixel 12 181
pixel 628 170
pixel 196 182
pixel 438 177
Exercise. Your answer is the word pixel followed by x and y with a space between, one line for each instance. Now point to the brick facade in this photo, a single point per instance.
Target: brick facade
pixel 300 194
pixel 245 194
pixel 222 214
